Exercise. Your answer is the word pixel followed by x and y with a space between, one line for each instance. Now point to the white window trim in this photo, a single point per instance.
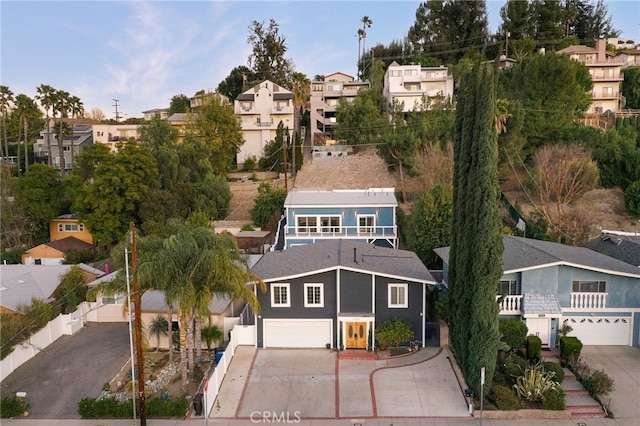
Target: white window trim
pixel 366 229
pixel 306 300
pixel 280 305
pixel 406 295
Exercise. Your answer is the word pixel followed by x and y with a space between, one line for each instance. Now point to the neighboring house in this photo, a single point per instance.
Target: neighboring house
pixel 620 43
pixel 324 100
pixel 336 293
pixel 629 58
pixel 68 225
pixel 624 246
pixel 549 284
pixel 150 114
pixel 19 284
pixel 180 121
pixel 417 86
pixel 81 137
pixel 605 74
pixel 260 110
pixel 53 252
pixel 365 215
pixel 112 134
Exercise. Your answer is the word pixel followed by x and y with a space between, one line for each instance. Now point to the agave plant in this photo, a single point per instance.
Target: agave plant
pixel 535 382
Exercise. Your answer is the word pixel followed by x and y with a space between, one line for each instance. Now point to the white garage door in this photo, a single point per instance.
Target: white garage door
pixel 297 333
pixel 600 330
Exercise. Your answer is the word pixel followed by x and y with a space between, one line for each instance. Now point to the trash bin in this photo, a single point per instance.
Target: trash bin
pixel 429 331
pixel 197 404
pixel 218 355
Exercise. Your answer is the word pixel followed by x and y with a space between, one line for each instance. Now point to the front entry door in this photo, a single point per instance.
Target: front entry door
pixel 356 335
pixel 540 327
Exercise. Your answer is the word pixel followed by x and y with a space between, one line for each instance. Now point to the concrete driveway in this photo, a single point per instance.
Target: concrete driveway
pixel 316 384
pixel 71 368
pixel 622 364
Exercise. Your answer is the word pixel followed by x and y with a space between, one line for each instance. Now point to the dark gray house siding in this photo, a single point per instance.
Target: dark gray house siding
pixel 355 292
pixel 411 314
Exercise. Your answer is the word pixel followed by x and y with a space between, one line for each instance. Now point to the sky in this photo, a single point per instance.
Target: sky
pixel 142 53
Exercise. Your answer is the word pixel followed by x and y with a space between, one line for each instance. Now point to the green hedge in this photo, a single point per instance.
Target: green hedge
pixel 534 347
pixel 110 408
pixel 514 333
pixel 556 368
pixel 570 348
pixel 12 406
pixel 505 398
pixel 553 400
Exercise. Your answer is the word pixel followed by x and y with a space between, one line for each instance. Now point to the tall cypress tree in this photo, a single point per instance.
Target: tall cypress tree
pixel 476 248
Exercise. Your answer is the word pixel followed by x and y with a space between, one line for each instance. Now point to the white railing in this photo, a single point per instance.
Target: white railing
pixel 510 304
pixel 593 300
pixel 341 231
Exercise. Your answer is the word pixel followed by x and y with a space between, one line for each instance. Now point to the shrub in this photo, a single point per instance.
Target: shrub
pixel 12 406
pixel 632 199
pixel 556 368
pixel 514 365
pixel 535 382
pixel 158 407
pixel 250 163
pixel 505 398
pixel 553 400
pixel 392 332
pixel 514 333
pixel 570 348
pixel 597 382
pixel 534 347
pixel 110 408
pixel 267 205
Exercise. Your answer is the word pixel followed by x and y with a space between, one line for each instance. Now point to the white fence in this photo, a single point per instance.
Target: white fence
pixel 63 324
pixel 240 335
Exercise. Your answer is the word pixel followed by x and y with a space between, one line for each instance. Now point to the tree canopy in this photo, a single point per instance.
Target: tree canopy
pixel 268 49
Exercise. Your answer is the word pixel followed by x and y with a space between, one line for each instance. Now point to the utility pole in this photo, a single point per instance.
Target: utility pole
pixel 506 45
pixel 293 159
pixel 285 142
pixel 115 104
pixel 137 308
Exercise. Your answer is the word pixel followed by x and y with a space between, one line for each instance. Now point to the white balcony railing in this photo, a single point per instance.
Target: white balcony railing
pixel 341 232
pixel 588 300
pixel 510 305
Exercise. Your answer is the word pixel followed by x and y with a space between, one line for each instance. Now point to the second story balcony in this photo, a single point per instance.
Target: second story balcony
pixel 341 231
pixel 589 301
pixel 510 305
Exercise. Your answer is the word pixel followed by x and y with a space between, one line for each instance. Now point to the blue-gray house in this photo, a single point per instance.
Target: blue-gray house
pixel 366 215
pixel 337 292
pixel 549 284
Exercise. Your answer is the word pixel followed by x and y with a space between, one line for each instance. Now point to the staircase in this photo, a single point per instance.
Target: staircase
pixel 357 354
pixel 576 397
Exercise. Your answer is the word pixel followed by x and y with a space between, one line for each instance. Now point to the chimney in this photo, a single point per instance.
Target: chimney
pixel 601 48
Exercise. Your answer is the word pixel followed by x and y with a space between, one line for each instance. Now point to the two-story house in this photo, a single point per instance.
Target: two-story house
pixel 549 284
pixel 260 109
pixel 112 134
pixel 150 114
pixel 66 233
pixel 605 74
pixel 323 103
pixel 77 139
pixel 417 86
pixel 365 215
pixel 335 293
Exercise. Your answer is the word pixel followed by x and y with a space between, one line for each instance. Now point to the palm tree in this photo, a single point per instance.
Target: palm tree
pixel 46 95
pixel 61 105
pixel 26 107
pixel 211 334
pixel 77 110
pixel 366 23
pixel 360 35
pixel 157 328
pixel 191 266
pixel 6 99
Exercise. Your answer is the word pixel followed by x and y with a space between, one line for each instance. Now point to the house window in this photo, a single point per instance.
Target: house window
pixel 589 287
pixel 280 295
pixel 396 73
pixel 366 224
pixel 398 296
pixel 330 223
pixel 70 227
pixel 509 288
pixel 313 295
pixel 306 223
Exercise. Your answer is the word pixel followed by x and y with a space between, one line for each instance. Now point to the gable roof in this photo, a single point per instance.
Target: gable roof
pixel 577 48
pixel 154 301
pixel 68 244
pixel 345 198
pixel 20 283
pixel 342 254
pixel 521 254
pixel 622 247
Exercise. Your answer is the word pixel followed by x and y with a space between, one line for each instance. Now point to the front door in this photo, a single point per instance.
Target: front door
pixel 540 327
pixel 356 335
